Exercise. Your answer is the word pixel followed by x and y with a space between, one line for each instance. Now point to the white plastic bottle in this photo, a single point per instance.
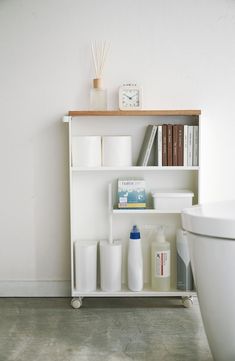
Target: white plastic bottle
pixel 160 262
pixel 135 261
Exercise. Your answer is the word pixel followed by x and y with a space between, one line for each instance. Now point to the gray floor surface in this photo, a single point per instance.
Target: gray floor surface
pixel 48 329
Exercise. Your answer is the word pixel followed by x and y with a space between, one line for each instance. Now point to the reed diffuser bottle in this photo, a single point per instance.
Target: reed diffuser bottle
pixel 98 95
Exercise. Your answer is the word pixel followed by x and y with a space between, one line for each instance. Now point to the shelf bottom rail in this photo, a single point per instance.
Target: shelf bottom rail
pixel 125 292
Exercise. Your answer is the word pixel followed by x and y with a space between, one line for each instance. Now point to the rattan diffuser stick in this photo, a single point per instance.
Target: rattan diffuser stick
pixel 99 56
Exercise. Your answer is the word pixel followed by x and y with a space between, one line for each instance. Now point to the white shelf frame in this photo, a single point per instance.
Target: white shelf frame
pixel 146 292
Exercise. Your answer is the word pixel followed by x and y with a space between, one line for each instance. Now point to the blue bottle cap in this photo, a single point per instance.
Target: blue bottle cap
pixel 135 233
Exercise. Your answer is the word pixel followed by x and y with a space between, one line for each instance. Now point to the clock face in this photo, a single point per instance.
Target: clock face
pixel 129 97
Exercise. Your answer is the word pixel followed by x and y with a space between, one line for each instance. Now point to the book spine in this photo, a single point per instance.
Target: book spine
pixel 185 145
pixel 164 145
pixel 144 147
pixel 180 154
pixel 169 145
pixel 195 145
pixel 175 144
pixel 150 144
pixel 190 145
pixel 159 146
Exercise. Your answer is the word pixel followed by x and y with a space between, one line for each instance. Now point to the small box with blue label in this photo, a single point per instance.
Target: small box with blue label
pixel 131 193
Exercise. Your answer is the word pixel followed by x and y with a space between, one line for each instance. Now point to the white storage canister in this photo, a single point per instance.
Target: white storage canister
pixel 86 266
pixel 174 200
pixel 110 266
pixel 116 151
pixel 86 151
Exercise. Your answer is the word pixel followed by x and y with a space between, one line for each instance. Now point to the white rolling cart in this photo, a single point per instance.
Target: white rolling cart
pixel 89 196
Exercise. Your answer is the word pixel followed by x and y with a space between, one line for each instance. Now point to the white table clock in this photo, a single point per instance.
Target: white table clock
pixel 130 97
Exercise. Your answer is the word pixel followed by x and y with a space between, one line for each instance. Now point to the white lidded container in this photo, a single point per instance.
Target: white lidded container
pixel 135 261
pixel 173 200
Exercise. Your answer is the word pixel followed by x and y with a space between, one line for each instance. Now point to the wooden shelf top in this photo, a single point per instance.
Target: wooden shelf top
pixel 120 113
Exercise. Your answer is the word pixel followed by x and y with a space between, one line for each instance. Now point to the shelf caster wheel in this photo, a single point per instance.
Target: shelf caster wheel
pixel 187 301
pixel 76 302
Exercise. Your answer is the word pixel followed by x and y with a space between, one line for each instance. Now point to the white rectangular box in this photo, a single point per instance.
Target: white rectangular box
pixel 172 200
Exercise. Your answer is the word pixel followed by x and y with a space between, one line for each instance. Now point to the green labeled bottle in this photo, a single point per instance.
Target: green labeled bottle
pixel 160 262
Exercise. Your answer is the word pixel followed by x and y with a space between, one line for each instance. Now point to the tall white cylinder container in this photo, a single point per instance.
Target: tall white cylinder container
pixel 110 266
pixel 135 261
pixel 85 266
pixel 86 151
pixel 116 151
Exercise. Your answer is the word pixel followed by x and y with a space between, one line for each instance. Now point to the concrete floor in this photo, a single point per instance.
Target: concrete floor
pixel 151 329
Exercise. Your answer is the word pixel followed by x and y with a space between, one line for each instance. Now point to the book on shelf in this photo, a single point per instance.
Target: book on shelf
pixel 164 144
pixel 175 144
pixel 180 149
pixel 147 145
pixel 131 193
pixel 190 145
pixel 185 145
pixel 195 145
pixel 159 146
pixel 169 145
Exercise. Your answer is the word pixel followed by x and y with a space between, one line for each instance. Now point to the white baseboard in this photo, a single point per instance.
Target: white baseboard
pixel 35 289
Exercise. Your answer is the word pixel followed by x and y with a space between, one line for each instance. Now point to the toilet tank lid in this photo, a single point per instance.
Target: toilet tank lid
pixel 211 219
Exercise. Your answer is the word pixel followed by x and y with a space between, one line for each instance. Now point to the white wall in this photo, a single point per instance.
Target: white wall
pixel 183 54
